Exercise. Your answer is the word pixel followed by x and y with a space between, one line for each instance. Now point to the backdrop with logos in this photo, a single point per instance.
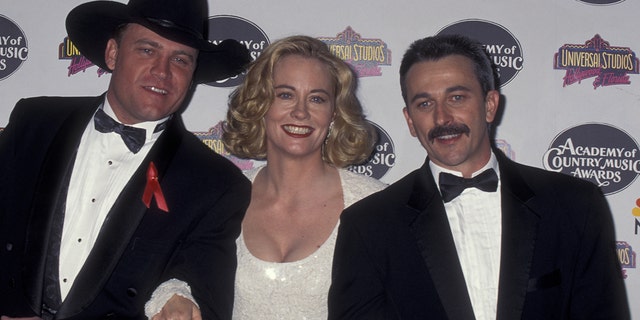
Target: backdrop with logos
pixel 568 74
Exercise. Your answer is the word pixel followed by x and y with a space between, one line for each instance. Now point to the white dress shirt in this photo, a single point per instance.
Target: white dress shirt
pixel 475 220
pixel 102 168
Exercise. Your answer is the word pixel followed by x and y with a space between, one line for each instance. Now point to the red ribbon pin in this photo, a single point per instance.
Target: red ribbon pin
pixel 153 189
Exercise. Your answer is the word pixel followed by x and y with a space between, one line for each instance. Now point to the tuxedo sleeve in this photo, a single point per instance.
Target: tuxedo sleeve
pixel 598 290
pixel 9 140
pixel 206 260
pixel 357 289
pixel 12 224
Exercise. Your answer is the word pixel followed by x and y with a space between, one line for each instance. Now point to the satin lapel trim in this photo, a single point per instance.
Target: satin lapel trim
pixel 519 230
pixel 433 235
pixel 120 225
pixel 51 188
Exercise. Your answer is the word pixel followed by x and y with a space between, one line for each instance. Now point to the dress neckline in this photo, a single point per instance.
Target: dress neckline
pixel 251 174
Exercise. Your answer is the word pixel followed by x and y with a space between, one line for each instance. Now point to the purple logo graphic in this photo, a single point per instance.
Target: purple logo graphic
pixel 505 147
pixel 78 63
pixel 13 47
pixel 626 256
pixel 364 55
pixel 596 59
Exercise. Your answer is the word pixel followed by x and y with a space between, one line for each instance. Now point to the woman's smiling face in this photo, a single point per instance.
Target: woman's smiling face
pixel 297 121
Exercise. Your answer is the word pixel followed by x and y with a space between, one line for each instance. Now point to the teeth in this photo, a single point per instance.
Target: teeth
pixel 450 136
pixel 297 130
pixel 158 90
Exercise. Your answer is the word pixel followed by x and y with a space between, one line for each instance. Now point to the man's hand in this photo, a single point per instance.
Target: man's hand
pixel 9 318
pixel 178 308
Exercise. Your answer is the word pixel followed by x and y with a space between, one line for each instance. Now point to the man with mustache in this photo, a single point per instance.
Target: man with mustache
pixel 472 234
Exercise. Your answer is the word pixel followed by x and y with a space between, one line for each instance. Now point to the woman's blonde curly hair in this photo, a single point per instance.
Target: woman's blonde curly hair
pixel 351 138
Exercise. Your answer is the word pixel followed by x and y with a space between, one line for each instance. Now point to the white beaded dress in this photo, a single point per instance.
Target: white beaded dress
pixel 292 290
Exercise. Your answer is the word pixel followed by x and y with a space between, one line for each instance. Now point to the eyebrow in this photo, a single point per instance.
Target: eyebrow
pixel 286 86
pixel 426 95
pixel 158 46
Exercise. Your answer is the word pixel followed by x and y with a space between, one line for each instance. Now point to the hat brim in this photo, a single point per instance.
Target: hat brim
pixel 91 25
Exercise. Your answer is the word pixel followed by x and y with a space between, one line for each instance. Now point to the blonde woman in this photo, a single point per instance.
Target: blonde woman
pixel 297 109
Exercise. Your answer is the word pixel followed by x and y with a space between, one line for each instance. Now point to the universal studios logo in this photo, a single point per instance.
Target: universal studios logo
pixel 596 58
pixel 365 55
pixel 600 153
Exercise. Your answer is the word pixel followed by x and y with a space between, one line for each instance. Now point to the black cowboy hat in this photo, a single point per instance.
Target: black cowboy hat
pixel 91 25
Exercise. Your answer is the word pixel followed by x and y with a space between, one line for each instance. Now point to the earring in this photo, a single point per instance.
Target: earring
pixel 326 139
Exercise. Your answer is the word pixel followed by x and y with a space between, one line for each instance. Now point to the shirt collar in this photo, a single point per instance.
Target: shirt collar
pixel 149 126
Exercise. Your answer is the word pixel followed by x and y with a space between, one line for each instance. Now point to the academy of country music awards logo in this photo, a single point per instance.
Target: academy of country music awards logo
pixel 13 47
pixel 223 27
pixel 596 58
pixel 596 152
pixel 382 159
pixel 501 45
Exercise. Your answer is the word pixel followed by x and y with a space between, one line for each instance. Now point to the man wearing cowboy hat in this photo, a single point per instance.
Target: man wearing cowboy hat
pixel 103 198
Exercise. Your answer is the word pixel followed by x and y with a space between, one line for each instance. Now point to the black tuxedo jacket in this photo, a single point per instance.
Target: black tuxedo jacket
pixel 138 247
pixel 395 256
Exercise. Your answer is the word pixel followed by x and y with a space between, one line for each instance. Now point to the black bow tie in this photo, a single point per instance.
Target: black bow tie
pixel 451 186
pixel 133 137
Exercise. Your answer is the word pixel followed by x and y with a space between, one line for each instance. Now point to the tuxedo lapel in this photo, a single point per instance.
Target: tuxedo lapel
pixel 519 229
pixel 120 225
pixel 50 195
pixel 433 235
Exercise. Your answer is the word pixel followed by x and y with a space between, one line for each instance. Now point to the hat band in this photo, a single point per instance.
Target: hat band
pixel 170 25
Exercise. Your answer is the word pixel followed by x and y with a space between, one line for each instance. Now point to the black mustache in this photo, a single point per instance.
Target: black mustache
pixel 448 130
